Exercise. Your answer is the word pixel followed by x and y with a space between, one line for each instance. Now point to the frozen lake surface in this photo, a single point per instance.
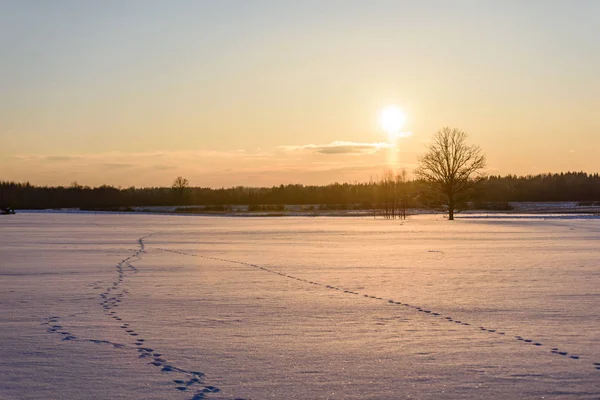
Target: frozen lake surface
pixel 176 307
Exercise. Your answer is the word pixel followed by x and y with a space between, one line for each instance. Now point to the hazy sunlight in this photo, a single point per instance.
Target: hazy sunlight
pixel 392 119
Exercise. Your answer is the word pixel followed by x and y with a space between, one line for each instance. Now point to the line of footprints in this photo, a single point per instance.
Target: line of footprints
pixel 420 309
pixel 189 381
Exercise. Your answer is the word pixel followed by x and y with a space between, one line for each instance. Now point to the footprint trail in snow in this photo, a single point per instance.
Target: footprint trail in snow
pixel 424 310
pixel 183 380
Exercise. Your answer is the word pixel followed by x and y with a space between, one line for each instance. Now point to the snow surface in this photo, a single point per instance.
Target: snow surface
pixel 125 306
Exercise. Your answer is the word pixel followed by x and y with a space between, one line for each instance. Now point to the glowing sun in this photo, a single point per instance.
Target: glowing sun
pixel 392 119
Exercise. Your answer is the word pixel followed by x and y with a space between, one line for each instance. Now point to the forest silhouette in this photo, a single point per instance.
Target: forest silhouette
pixel 494 192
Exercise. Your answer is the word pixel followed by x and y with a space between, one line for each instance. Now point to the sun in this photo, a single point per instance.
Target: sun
pixel 392 119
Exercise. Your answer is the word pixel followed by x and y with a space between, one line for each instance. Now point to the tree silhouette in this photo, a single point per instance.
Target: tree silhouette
pixel 180 187
pixel 451 167
pixel 392 193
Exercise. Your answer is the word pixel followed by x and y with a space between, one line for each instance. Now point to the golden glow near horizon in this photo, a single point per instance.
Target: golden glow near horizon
pixel 269 93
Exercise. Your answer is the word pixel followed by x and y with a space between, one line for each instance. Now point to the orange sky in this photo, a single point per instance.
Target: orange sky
pixel 228 93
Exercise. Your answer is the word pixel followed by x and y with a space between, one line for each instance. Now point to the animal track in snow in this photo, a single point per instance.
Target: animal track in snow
pixel 393 302
pixel 53 326
pixel 110 300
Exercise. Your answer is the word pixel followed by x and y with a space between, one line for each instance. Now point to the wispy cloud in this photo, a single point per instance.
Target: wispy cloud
pixel 162 167
pixel 37 157
pixel 118 165
pixel 61 158
pixel 341 147
pixel 115 156
pixel 310 163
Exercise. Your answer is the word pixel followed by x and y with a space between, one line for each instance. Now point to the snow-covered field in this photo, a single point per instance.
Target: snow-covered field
pixel 124 306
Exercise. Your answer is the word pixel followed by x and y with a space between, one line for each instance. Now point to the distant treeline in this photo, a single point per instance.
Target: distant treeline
pixel 570 186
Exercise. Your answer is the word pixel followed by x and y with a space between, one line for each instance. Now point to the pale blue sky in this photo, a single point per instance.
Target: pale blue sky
pixel 137 92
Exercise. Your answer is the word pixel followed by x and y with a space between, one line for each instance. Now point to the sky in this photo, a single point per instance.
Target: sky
pixel 262 93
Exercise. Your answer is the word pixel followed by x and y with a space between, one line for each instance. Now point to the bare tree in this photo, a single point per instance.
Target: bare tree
pixel 180 187
pixel 451 167
pixel 393 195
pixel 75 185
pixel 402 194
pixel 373 195
pixel 386 195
